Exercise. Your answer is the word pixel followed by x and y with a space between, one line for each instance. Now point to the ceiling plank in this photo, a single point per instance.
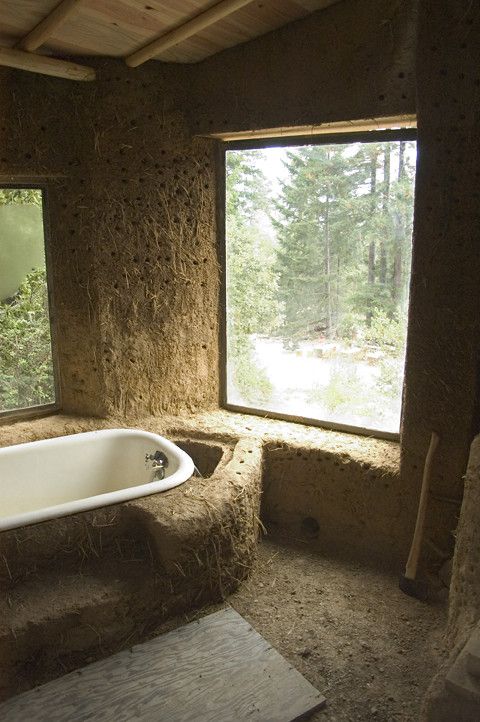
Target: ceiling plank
pixel 251 21
pixel 118 28
pixel 184 31
pixel 48 26
pixel 11 58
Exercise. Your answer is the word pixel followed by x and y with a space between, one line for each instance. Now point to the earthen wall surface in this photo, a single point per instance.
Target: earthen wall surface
pixel 351 61
pixel 444 349
pixel 132 236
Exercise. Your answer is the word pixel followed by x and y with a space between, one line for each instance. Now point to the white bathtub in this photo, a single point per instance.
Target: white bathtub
pixel 46 479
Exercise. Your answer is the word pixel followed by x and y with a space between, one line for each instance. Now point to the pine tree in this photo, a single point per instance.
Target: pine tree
pixel 385 204
pixel 315 239
pixel 251 287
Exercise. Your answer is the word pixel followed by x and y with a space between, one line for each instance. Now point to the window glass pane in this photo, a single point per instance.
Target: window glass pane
pixel 318 249
pixel 26 368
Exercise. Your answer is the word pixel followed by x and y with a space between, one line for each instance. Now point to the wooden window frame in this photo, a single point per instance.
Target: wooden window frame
pixel 33 412
pixel 361 136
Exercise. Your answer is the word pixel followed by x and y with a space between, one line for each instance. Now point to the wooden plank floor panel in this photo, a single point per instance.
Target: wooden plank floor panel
pixel 214 670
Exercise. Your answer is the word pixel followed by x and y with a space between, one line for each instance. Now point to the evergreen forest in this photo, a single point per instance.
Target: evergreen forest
pixel 318 267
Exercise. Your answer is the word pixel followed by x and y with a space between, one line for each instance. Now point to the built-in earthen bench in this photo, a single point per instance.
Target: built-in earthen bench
pixel 81 587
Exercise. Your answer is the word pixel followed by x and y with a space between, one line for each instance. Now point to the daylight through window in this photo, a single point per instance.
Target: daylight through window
pixel 26 367
pixel 318 249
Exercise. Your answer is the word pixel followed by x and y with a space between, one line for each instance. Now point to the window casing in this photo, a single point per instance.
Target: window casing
pixel 28 379
pixel 315 312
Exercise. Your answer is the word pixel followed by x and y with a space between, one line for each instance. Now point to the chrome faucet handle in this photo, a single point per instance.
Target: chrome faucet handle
pixel 159 473
pixel 159 459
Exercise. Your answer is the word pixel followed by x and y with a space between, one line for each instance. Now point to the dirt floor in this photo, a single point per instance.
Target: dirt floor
pixel 348 629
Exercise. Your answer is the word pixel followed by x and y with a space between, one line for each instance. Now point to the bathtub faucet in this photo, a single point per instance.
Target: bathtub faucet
pixel 159 462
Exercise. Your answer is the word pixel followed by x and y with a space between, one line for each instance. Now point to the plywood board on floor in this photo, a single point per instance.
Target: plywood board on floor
pixel 216 669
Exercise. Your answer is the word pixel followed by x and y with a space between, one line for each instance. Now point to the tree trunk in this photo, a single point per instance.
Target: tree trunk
pixel 398 238
pixel 328 280
pixel 385 210
pixel 337 299
pixel 371 246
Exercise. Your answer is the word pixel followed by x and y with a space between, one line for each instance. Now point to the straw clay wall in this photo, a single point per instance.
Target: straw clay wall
pixel 132 236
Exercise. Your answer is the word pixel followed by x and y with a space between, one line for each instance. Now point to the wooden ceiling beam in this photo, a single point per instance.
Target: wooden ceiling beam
pixel 19 59
pixel 350 126
pixel 47 27
pixel 182 32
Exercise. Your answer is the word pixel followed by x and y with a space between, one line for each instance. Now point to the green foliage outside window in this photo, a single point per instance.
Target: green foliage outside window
pixel 20 196
pixel 26 377
pixel 26 374
pixel 251 304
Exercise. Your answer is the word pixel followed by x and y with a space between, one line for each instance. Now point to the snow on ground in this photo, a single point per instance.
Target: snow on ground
pixel 315 381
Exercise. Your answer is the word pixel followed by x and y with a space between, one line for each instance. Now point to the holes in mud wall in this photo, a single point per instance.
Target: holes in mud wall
pixel 310 527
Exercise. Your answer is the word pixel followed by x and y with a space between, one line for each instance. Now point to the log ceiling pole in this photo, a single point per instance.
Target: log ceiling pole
pixel 11 58
pixel 182 32
pixel 47 27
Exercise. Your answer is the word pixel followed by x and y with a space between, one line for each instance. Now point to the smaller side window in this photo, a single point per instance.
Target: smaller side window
pixel 26 360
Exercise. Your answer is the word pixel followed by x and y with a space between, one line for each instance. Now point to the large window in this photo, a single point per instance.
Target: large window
pixel 318 248
pixel 26 366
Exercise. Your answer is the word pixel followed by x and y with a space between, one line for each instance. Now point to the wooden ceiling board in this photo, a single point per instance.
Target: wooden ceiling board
pixel 232 30
pixel 98 27
pixel 239 26
pixel 134 23
pixel 17 18
pixel 117 28
pixel 92 33
pixel 245 24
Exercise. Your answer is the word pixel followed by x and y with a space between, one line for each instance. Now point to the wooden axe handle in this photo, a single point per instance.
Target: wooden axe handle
pixel 414 556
